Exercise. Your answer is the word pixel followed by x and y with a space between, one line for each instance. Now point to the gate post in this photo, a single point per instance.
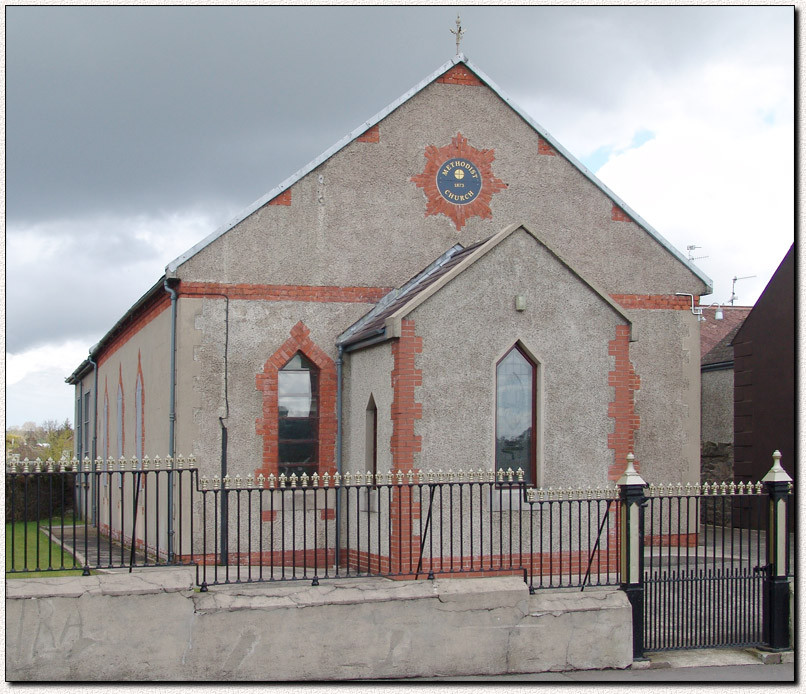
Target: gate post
pixel 776 588
pixel 631 534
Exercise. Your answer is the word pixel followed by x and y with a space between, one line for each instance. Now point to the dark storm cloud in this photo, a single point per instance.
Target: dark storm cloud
pixel 131 108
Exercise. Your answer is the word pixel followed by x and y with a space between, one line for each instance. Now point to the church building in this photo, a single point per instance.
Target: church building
pixel 446 287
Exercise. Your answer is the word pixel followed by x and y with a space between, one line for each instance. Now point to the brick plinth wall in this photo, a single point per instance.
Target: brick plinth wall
pixel 622 409
pixel 267 425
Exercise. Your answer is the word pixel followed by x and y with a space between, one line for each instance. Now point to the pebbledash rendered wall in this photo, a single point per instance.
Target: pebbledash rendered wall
pixel 151 625
pixel 357 221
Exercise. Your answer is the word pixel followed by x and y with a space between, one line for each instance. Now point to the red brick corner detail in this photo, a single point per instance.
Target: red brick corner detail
pixel 543 147
pixel 622 408
pixel 667 302
pixel 459 74
pixel 405 378
pixel 266 382
pixel 283 198
pixel 372 135
pixel 619 215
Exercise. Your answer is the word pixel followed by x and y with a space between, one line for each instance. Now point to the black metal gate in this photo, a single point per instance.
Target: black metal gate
pixel 706 567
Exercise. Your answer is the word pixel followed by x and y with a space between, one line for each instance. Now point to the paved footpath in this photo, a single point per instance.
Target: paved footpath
pixel 707 665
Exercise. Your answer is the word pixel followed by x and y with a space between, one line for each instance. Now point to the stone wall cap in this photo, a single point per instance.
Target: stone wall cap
pixel 143 582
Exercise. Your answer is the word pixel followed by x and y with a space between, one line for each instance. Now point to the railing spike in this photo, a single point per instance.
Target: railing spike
pixel 304 480
pixel 347 478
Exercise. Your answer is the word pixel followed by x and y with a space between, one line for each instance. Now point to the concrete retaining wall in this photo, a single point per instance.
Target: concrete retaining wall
pixel 152 625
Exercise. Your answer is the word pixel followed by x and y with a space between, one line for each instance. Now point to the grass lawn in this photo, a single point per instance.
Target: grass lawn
pixel 24 554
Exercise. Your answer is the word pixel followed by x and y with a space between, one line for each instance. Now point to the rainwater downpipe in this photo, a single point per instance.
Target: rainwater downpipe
pixel 171 420
pixel 94 436
pixel 338 448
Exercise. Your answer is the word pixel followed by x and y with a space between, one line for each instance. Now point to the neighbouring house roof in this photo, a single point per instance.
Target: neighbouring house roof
pixel 720 356
pixel 712 331
pixel 460 58
pixel 383 321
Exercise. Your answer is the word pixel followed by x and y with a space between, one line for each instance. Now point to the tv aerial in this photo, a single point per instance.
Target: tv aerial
pixel 691 250
pixel 733 296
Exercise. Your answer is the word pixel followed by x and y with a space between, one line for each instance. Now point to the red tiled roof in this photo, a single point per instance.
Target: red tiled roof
pixel 712 331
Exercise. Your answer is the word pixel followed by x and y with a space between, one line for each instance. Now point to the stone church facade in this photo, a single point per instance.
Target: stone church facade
pixel 447 287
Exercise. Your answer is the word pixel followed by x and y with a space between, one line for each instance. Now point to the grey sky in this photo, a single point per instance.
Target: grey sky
pixel 134 132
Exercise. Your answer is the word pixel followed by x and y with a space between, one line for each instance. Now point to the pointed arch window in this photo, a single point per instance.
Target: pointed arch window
pixel 119 423
pixel 371 438
pixel 298 414
pixel 139 430
pixel 516 414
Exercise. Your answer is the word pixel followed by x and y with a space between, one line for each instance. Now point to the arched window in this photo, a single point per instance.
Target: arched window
pixel 138 418
pixel 106 425
pixel 119 427
pixel 515 414
pixel 298 415
pixel 371 438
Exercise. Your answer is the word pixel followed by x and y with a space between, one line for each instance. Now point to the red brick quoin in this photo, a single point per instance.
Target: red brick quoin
pixel 283 198
pixel 371 135
pixel 622 408
pixel 459 74
pixel 619 215
pixel 267 425
pixel 404 443
pixel 543 147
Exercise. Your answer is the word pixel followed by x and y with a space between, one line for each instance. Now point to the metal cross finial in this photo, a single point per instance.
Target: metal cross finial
pixel 458 33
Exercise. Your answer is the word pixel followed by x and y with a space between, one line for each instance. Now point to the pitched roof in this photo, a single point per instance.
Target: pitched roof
pixel 712 331
pixel 722 352
pixel 382 322
pixel 460 58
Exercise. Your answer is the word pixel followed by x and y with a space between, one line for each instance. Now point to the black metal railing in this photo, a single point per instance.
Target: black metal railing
pixel 416 525
pixel 72 515
pixel 706 566
pixel 703 566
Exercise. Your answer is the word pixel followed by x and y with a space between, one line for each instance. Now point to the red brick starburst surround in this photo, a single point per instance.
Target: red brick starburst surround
pixel 267 425
pixel 482 159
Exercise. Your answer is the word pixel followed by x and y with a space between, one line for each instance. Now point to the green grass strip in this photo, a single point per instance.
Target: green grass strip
pixel 30 553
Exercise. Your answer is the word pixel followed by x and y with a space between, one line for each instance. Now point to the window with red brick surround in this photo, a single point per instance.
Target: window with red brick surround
pixel 267 425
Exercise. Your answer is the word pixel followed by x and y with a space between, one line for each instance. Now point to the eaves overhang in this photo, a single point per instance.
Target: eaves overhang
pixel 96 349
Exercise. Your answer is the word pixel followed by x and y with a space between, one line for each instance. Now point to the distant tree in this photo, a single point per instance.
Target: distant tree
pixel 49 440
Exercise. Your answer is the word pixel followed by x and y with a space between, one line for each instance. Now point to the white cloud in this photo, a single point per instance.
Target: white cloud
pixel 719 171
pixel 87 273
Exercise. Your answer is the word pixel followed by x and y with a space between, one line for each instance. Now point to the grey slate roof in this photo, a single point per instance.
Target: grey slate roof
pixel 372 324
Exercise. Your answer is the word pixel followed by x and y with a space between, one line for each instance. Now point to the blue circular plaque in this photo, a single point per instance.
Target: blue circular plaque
pixel 459 181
